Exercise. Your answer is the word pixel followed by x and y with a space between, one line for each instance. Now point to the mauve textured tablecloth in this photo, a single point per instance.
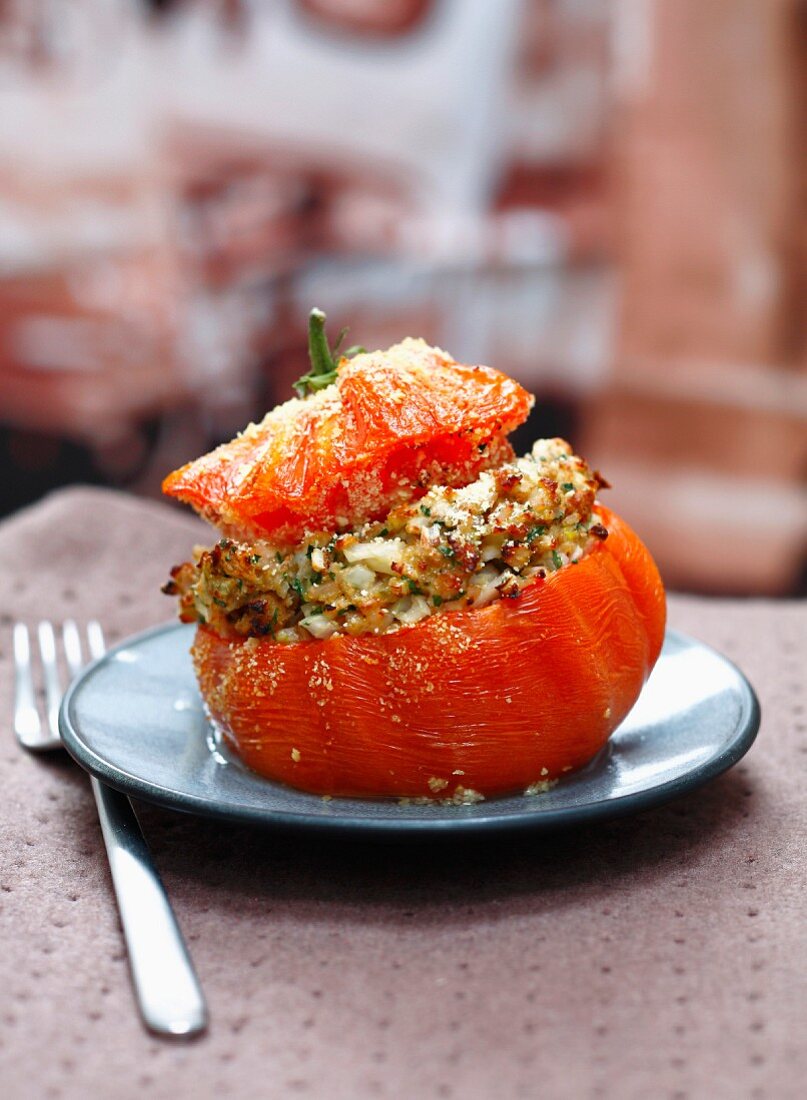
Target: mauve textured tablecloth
pixel 658 956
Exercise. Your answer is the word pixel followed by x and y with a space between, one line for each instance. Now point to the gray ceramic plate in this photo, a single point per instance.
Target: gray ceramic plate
pixel 135 719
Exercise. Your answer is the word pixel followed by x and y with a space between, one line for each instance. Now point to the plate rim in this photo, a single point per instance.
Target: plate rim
pixel 345 824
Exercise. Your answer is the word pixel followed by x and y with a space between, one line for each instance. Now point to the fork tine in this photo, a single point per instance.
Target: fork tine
pixel 95 639
pixel 71 640
pixel 27 725
pixel 50 670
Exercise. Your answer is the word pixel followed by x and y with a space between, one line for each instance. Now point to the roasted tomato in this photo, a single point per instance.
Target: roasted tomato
pixel 464 704
pixel 392 424
pixel 458 702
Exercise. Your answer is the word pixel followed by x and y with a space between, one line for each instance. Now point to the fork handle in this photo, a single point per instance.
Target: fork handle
pixel 167 989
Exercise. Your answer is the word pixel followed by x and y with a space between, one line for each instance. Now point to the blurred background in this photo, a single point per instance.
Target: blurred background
pixel 603 198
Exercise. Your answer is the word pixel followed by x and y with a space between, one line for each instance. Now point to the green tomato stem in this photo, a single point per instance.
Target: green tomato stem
pixel 323 360
pixel 318 350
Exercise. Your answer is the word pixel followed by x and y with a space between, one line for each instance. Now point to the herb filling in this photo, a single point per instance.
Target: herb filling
pixel 452 548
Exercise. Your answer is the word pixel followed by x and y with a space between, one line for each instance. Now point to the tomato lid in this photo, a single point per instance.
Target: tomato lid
pixel 390 425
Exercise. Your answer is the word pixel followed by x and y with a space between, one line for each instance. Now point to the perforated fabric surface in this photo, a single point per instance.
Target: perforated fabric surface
pixel 661 955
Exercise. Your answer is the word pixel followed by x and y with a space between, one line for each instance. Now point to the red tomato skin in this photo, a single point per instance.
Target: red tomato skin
pixel 393 423
pixel 491 699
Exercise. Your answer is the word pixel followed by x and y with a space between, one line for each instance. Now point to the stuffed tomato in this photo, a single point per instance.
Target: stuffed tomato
pixel 407 625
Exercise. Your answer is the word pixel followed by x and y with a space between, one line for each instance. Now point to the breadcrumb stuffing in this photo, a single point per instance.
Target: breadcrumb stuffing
pixel 462 796
pixel 541 786
pixel 453 548
pixel 466 796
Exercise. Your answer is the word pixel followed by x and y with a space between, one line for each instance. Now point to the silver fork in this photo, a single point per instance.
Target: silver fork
pixel 167 989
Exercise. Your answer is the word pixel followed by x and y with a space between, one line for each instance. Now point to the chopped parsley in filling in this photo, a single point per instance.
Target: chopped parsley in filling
pixel 452 548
